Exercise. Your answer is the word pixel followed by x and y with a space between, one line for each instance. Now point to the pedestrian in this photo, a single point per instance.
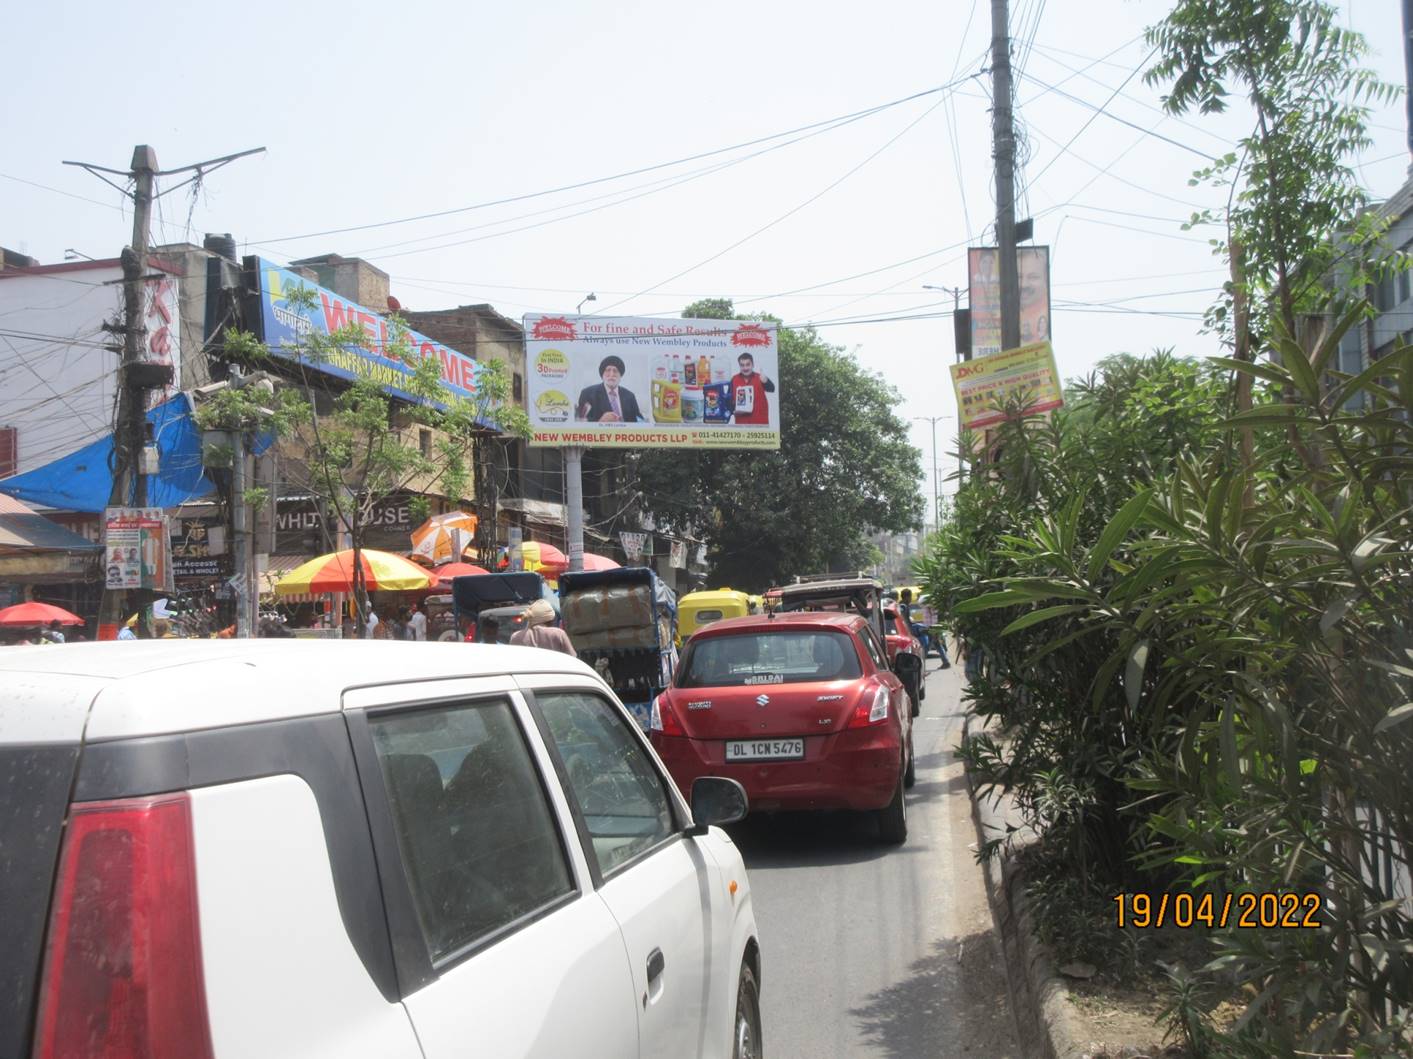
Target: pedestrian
pixel 418 622
pixel 539 632
pixel 489 631
pixel 400 629
pixel 53 634
pixel 126 633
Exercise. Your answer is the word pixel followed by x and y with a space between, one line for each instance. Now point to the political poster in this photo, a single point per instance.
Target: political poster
pixel 984 294
pixel 983 384
pixel 635 382
pixel 136 549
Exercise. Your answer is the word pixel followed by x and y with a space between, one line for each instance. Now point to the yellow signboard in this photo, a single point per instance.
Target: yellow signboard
pixel 983 385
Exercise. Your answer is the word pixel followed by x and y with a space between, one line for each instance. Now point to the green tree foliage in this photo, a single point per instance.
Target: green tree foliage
pixel 352 444
pixel 1292 186
pixel 845 467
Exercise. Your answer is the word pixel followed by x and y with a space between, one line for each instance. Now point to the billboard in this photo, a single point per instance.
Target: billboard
pixel 984 286
pixel 284 326
pixel 985 382
pixel 633 382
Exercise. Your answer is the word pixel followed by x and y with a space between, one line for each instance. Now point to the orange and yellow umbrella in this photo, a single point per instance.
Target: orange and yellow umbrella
pixel 444 538
pixel 382 571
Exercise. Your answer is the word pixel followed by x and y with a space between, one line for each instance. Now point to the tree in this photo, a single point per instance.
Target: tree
pixel 351 447
pixel 845 468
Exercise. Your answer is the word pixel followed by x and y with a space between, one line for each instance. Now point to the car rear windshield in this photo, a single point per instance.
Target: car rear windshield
pixel 787 656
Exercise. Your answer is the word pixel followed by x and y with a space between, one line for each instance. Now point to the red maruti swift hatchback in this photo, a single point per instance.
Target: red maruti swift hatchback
pixel 801 708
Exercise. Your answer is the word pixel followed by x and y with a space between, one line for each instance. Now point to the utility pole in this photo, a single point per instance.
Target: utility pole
pixel 137 375
pixel 956 293
pixel 1003 148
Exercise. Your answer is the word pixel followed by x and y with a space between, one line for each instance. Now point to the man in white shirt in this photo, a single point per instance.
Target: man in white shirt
pixel 418 622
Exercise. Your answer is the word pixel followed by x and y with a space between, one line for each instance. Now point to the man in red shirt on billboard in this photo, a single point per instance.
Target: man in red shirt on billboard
pixel 749 388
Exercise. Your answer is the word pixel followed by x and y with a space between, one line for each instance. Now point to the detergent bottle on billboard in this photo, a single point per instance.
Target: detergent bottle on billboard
pixel 692 404
pixel 703 370
pixel 667 401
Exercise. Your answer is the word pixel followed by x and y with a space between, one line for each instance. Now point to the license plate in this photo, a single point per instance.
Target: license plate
pixel 764 749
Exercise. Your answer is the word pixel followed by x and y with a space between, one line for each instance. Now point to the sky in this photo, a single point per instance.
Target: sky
pixel 373 114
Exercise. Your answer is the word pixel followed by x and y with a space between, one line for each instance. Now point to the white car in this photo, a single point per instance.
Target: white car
pixel 293 848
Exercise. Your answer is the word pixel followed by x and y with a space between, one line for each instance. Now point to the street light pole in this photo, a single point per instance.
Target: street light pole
pixel 956 293
pixel 936 490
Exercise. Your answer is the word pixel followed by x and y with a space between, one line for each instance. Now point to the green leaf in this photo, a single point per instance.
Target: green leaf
pixel 990 601
pixel 1395 716
pixel 1302 373
pixel 1269 372
pixel 1133 674
pixel 1230 761
pixel 1118 528
pixel 1308 765
pixel 1035 617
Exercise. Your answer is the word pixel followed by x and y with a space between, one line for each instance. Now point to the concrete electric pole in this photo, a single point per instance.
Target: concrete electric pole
pixel 1003 147
pixel 137 375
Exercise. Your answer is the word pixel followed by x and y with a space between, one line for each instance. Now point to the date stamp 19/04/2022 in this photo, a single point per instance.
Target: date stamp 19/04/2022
pixel 1270 910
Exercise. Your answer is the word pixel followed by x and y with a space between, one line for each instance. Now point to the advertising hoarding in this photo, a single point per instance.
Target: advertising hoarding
pixel 982 383
pixel 984 286
pixel 285 325
pixel 634 382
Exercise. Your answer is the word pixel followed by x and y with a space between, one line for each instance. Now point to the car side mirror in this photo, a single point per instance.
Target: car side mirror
pixel 716 801
pixel 907 665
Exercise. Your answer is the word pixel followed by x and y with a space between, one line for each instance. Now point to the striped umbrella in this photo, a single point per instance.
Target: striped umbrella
pixel 444 538
pixel 382 571
pixel 539 558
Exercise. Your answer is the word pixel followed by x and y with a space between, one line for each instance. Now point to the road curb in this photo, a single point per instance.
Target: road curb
pixel 1046 1022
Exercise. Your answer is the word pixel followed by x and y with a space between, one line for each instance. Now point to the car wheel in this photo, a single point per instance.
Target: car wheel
pixel 910 774
pixel 893 818
pixel 745 1035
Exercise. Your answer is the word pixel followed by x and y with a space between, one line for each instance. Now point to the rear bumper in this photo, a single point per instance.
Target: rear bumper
pixel 856 769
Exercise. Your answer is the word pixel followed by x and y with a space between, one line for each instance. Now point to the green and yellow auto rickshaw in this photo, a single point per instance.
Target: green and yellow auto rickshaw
pixel 698 609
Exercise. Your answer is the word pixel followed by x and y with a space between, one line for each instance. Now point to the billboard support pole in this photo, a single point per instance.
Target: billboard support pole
pixel 574 502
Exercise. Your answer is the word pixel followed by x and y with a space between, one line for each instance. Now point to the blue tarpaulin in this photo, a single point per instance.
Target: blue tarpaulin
pixel 82 480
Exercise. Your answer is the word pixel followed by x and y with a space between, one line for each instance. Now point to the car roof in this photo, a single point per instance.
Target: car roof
pixel 824 587
pixel 789 620
pixel 158 686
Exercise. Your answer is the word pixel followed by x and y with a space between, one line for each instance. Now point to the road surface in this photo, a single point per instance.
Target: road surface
pixel 872 950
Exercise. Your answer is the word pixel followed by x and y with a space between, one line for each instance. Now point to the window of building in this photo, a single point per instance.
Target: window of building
pixel 1386 293
pixel 424 442
pixel 619 791
pixel 517 387
pixel 479 843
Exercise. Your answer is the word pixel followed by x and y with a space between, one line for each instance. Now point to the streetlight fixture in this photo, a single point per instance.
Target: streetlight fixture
pixel 936 470
pixel 70 254
pixel 591 297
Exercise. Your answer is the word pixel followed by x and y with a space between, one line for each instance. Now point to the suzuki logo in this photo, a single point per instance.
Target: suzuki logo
pixel 762 700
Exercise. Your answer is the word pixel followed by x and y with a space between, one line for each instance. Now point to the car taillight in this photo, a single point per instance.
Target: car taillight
pixel 664 717
pixel 122 971
pixel 871 711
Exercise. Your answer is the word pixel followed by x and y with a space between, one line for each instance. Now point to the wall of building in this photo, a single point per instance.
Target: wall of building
pixel 58 378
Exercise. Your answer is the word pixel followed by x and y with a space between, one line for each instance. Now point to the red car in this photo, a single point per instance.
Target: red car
pixel 900 640
pixel 801 708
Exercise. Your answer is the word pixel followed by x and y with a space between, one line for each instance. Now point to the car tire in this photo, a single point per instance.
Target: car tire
pixel 745 1031
pixel 910 773
pixel 893 817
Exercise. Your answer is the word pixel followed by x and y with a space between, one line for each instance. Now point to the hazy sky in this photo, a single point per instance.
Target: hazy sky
pixel 374 113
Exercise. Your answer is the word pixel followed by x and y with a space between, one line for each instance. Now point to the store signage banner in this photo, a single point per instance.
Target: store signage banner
pixel 199 549
pixel 677 557
pixel 284 326
pixel 984 275
pixel 137 549
pixel 984 383
pixel 634 382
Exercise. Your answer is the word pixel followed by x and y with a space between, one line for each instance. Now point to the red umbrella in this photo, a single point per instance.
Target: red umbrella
pixel 598 562
pixel 447 571
pixel 37 614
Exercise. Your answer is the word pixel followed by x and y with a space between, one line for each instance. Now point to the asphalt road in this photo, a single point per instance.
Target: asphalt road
pixel 872 950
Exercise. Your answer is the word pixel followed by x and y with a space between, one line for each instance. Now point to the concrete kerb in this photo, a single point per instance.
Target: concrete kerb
pixel 1046 1022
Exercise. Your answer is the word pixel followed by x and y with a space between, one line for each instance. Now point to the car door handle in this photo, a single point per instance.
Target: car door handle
pixel 656 963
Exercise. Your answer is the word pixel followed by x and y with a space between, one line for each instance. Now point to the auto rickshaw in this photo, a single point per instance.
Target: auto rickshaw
pixel 697 609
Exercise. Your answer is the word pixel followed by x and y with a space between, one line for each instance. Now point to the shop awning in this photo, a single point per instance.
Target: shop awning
pixel 35 550
pixel 278 566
